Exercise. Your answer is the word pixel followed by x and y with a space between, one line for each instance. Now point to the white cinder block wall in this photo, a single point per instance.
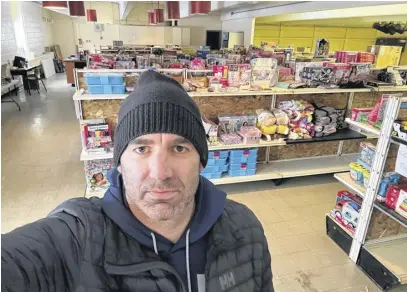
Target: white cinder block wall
pixel 8 42
pixel 33 26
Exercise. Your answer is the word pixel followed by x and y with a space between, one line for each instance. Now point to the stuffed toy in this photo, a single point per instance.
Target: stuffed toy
pixel 271 123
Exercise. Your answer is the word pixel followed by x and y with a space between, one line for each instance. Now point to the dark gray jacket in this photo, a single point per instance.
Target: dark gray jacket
pixel 78 248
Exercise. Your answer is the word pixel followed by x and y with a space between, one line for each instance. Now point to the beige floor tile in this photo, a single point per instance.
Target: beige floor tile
pixel 292 244
pixel 283 264
pixel 316 241
pixel 288 228
pixel 306 260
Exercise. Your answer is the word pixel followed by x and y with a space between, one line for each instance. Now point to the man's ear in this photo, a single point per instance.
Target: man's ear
pixel 200 167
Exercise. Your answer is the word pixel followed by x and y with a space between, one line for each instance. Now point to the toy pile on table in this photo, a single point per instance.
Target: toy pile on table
pixel 327 120
pixel 300 114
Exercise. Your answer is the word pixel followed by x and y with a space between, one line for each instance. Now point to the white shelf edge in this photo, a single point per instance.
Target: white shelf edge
pixel 347 181
pixel 87 156
pixel 364 127
pixel 292 168
pixel 78 96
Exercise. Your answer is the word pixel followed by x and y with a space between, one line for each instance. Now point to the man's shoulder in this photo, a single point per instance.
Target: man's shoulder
pixel 83 209
pixel 240 215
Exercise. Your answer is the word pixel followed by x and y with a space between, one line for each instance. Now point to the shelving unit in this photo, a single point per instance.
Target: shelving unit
pixel 344 178
pixel 384 260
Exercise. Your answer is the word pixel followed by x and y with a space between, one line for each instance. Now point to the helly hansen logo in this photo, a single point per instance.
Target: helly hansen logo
pixel 227 281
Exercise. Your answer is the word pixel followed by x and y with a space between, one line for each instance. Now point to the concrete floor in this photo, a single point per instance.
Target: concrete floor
pixel 41 168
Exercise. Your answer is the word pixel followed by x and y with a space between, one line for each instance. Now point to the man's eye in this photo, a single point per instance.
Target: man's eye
pixel 180 149
pixel 141 150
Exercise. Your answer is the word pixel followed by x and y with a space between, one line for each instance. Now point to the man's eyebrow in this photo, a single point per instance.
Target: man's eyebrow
pixel 141 141
pixel 181 140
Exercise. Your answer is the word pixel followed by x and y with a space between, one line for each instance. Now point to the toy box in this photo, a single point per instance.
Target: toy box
pixel 365 57
pixel 393 195
pixel 264 72
pixel 221 72
pixel 359 73
pixel 346 211
pixel 313 75
pixel 239 75
pixel 233 123
pixel 367 154
pixel 250 135
pixel 356 173
pixel 299 67
pixel 358 113
pixel 341 72
pixel 389 179
pixel 401 205
pixel 376 115
pixel 400 129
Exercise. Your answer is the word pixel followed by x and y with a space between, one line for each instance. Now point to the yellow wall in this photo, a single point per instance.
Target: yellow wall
pixel 340 38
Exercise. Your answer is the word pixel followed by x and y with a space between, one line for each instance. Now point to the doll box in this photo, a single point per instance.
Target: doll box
pixel 393 195
pixel 358 113
pixel 401 205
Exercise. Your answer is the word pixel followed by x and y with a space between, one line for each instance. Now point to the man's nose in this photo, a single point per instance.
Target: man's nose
pixel 160 166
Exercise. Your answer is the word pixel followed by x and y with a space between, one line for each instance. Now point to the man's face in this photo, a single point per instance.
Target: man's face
pixel 160 174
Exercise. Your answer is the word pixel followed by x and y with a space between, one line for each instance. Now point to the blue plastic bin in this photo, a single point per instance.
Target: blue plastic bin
pixel 244 153
pixel 243 166
pixel 92 79
pixel 241 172
pixel 116 80
pixel 218 154
pixel 237 160
pixel 107 89
pixel 215 168
pixel 118 89
pixel 220 161
pixel 211 175
pixel 104 79
pixel 95 89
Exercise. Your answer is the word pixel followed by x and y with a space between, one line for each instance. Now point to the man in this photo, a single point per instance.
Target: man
pixel 159 227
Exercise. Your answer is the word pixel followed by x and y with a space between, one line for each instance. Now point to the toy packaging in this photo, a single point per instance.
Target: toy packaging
pixel 211 130
pixel 299 67
pixel 314 76
pixel 340 74
pixel 321 48
pixel 233 123
pixel 96 135
pixel 401 205
pixel 400 129
pixel 96 174
pixel 356 172
pixel 358 113
pixel 367 154
pixel 389 179
pixel 359 73
pixel 221 72
pixel 239 75
pixel 346 211
pixel 375 117
pixel 264 72
pixel 250 135
pixel 393 195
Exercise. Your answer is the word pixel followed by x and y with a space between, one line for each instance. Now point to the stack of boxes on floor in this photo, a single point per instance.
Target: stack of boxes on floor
pixel 240 162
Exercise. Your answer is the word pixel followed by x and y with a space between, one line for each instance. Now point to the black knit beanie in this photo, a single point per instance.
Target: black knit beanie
pixel 159 104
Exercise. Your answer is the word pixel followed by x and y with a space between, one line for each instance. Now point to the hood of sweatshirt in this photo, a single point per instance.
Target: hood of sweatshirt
pixel 209 206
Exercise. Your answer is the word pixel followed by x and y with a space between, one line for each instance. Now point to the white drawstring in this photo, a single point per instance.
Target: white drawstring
pixel 154 243
pixel 187 261
pixel 186 258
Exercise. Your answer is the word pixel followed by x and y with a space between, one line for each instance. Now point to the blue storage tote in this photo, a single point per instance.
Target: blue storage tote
pixel 212 175
pixel 243 166
pixel 218 154
pixel 241 172
pixel 237 160
pixel 219 161
pixel 104 79
pixel 95 89
pixel 244 153
pixel 107 89
pixel 118 89
pixel 215 168
pixel 92 79
pixel 116 79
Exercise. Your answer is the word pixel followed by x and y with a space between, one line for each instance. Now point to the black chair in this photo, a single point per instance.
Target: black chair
pixel 36 76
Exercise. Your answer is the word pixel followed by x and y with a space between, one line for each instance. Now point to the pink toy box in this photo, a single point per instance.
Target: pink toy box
pixel 250 134
pixel 347 209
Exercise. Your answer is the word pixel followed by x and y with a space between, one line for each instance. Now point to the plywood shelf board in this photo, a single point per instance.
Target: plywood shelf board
pixel 393 255
pixel 344 178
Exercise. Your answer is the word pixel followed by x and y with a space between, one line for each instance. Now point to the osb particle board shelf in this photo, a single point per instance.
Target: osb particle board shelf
pixel 393 255
pixel 391 213
pixel 344 178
